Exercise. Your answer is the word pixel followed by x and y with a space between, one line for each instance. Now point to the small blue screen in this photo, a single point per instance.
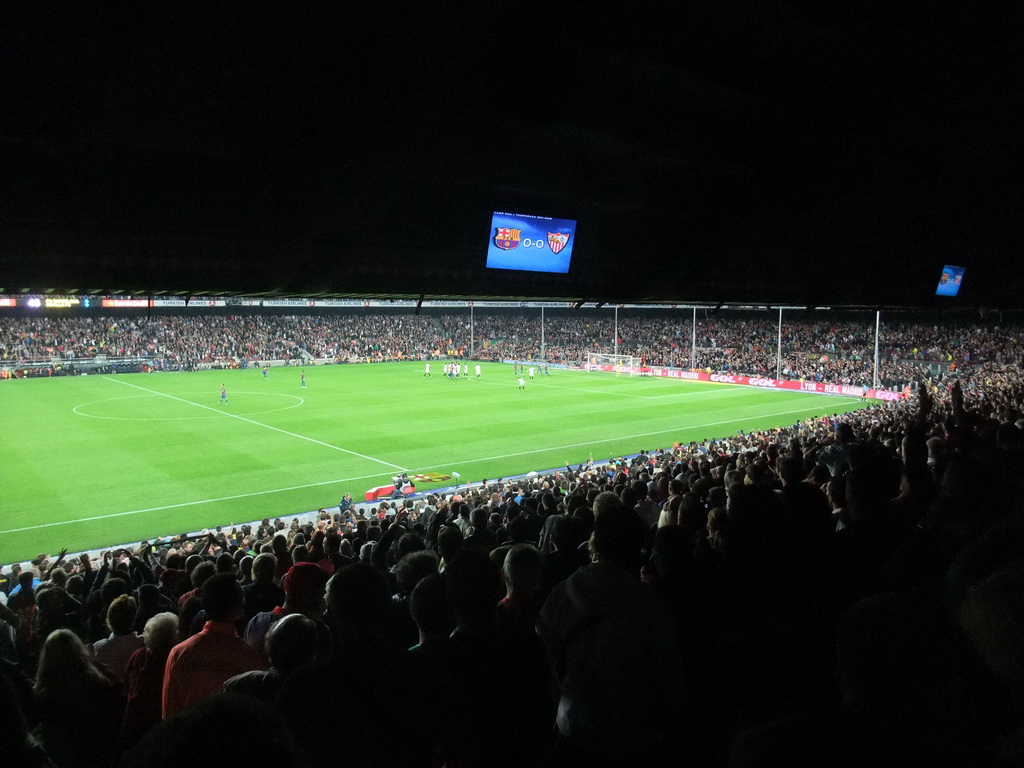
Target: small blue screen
pixel 949 281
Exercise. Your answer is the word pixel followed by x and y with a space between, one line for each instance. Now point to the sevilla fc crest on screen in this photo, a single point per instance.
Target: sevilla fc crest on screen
pixel 557 241
pixel 507 238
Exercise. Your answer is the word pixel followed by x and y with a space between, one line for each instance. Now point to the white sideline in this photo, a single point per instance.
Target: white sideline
pixel 259 424
pixel 189 503
pixel 422 469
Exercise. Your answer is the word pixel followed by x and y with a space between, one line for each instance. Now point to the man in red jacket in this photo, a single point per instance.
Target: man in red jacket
pixel 197 668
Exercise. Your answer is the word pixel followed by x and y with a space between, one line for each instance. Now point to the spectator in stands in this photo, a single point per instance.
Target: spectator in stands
pixel 305 585
pixel 521 569
pixel 410 570
pixel 481 537
pixel 208 733
pixel 893 658
pixel 291 643
pixel 114 651
pixel 432 612
pixel 198 667
pixel 501 677
pixel 54 610
pixel 151 602
pixel 263 594
pixel 611 645
pixel 79 703
pixel 383 679
pixel 144 677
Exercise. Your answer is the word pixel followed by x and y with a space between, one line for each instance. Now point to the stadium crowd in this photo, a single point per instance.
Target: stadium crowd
pixel 814 350
pixel 846 591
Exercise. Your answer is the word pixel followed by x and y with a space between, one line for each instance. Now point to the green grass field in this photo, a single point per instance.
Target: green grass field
pixel 92 461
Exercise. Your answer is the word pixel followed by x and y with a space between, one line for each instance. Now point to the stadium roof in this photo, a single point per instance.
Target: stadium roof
pixel 797 152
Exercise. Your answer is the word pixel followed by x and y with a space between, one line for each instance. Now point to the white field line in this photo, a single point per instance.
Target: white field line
pixel 421 469
pixel 260 424
pixel 548 385
pixel 189 503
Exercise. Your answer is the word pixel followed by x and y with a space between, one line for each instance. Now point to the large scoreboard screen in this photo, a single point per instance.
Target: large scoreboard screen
pixel 530 243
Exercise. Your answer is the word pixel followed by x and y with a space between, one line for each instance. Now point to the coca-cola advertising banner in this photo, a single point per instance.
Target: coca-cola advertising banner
pixel 846 390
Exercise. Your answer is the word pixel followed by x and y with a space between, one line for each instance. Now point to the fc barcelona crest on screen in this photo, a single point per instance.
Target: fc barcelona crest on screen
pixel 507 238
pixel 557 241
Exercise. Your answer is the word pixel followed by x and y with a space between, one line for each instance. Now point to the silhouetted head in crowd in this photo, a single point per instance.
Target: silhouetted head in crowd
pixel 408 543
pixel 358 603
pixel 64 663
pixel 264 566
pixel 291 642
pixel 161 632
pixel 791 469
pixel 200 732
pixel 431 609
pixel 449 542
pixel 113 587
pixel 567 533
pixel 414 567
pixel 305 585
pixel 606 500
pixel 121 615
pixel 222 598
pixel 866 497
pixel 890 643
pixel 693 517
pixel 521 570
pixel 756 518
pixel 672 553
pixel 628 498
pixel 618 538
pixel 202 572
pixel 474 588
pixel 225 563
pixel 992 617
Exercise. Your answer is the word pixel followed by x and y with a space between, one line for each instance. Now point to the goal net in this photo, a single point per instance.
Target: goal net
pixel 625 365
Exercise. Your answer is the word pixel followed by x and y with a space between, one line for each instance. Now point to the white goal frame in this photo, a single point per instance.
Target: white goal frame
pixel 630 364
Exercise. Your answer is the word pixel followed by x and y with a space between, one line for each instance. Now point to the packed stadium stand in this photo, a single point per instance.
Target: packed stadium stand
pixel 844 591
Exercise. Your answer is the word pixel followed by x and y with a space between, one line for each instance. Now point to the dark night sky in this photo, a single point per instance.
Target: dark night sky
pixel 798 152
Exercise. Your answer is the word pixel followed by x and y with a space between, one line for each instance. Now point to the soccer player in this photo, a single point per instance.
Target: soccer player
pixel 266 371
pixel 465 370
pixel 531 373
pixel 223 395
pixel 618 369
pixel 303 379
pixel 478 370
pixel 522 384
pixel 426 371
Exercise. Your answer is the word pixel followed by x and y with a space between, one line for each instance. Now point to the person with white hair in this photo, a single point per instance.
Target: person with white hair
pixel 144 676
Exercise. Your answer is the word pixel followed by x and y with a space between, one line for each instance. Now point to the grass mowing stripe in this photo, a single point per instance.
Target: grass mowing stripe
pixel 260 424
pixel 637 436
pixel 366 477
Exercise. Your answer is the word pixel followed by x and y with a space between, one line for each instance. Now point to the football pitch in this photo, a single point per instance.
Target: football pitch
pixel 93 461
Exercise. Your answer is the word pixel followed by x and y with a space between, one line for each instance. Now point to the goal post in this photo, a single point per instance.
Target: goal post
pixel 627 365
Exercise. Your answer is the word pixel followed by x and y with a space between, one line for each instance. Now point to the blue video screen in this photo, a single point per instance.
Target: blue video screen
pixel 530 243
pixel 950 280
